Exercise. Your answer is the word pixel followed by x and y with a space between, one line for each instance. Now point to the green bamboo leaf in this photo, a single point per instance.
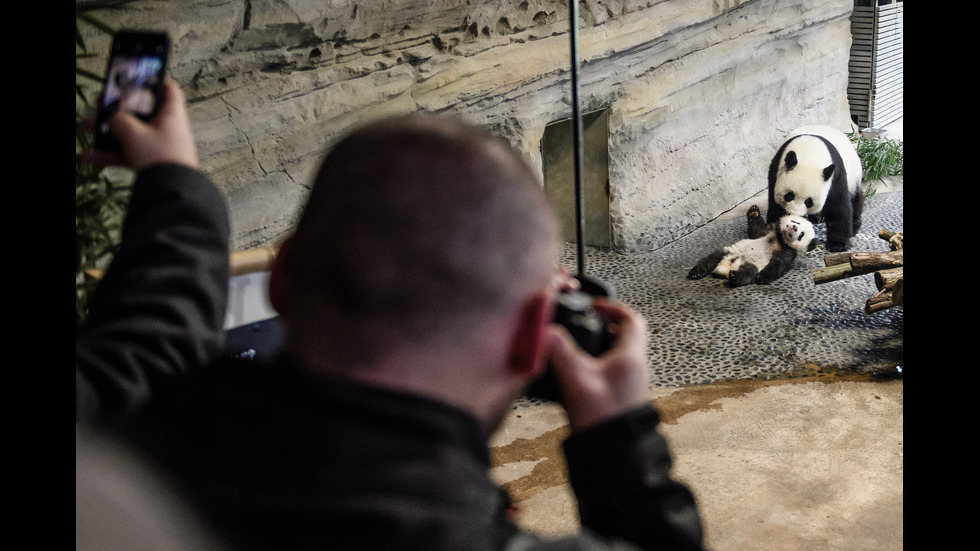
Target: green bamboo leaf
pixel 879 157
pixel 100 201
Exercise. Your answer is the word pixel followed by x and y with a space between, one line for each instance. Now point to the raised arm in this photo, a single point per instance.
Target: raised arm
pixel 159 310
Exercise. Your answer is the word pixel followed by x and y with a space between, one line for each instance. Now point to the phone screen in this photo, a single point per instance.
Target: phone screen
pixel 134 78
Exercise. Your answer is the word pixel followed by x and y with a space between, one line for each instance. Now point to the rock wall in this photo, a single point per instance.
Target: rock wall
pixel 699 92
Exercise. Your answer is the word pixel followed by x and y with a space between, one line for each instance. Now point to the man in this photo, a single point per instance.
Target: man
pixel 417 295
pixel 156 316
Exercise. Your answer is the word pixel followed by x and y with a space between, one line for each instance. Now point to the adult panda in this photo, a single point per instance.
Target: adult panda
pixel 817 173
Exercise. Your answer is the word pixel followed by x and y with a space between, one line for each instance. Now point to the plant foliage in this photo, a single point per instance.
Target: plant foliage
pixel 100 201
pixel 879 157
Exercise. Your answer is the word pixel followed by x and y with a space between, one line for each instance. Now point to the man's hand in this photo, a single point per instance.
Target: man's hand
pixel 597 389
pixel 166 138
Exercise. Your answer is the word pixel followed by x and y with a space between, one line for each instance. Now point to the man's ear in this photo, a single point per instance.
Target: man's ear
pixel 530 341
pixel 279 277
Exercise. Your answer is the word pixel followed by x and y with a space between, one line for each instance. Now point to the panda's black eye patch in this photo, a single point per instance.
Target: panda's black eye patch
pixel 808 202
pixel 800 238
pixel 789 197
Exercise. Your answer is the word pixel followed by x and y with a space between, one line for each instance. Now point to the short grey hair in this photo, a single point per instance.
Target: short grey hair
pixel 417 227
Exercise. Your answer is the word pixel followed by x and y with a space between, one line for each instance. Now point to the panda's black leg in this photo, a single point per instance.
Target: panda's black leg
pixel 838 234
pixel 838 245
pixel 857 209
pixel 706 265
pixel 840 226
pixel 743 276
pixel 757 226
pixel 778 265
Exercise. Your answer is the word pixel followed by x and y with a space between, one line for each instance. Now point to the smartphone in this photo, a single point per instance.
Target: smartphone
pixel 133 80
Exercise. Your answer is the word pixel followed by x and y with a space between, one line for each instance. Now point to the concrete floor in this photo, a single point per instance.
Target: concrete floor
pixel 783 403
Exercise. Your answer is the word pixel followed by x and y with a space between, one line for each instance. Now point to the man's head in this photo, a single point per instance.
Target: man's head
pixel 421 234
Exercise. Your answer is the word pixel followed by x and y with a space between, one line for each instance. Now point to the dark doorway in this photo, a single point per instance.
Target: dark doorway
pixel 559 176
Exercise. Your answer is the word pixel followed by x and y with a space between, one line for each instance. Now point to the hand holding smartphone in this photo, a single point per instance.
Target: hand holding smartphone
pixel 134 80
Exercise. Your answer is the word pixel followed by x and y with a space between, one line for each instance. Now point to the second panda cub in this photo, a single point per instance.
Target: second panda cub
pixel 765 256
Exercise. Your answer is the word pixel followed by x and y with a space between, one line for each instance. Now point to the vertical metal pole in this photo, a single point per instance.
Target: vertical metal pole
pixel 577 138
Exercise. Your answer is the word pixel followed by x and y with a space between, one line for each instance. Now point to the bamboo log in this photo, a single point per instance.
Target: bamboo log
pixel 878 261
pixel 879 302
pixel 837 259
pixel 834 273
pixel 888 268
pixel 895 239
pixel 885 279
pixel 857 264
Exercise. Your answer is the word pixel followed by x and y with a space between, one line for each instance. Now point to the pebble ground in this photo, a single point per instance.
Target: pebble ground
pixel 704 331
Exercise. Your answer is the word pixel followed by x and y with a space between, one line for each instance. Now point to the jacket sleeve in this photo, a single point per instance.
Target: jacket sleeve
pixel 620 473
pixel 159 311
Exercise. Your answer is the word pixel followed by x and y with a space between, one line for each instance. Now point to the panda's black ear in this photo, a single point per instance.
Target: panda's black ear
pixel 828 172
pixel 791 160
pixel 812 245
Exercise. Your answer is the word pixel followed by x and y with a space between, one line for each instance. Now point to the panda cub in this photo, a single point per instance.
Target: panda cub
pixel 765 256
pixel 817 173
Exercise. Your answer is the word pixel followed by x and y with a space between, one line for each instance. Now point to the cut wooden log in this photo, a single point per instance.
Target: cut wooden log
pixel 834 273
pixel 888 268
pixel 837 259
pixel 895 239
pixel 895 296
pixel 879 302
pixel 878 261
pixel 885 279
pixel 856 264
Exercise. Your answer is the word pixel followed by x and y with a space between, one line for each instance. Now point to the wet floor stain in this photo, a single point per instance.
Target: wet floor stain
pixel 545 452
pixel 544 461
pixel 707 397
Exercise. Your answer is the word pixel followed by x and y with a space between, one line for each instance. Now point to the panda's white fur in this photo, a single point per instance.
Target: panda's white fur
pixel 806 180
pixel 817 173
pixel 797 233
pixel 766 255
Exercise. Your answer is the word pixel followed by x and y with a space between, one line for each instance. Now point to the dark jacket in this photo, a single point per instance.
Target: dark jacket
pixel 281 458
pixel 159 311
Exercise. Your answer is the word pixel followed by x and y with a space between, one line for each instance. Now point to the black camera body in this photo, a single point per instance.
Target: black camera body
pixel 574 311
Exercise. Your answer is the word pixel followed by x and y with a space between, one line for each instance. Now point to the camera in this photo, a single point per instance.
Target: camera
pixel 574 311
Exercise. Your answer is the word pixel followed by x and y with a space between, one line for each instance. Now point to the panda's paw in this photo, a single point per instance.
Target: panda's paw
pixel 837 246
pixel 764 279
pixel 753 212
pixel 737 279
pixel 697 272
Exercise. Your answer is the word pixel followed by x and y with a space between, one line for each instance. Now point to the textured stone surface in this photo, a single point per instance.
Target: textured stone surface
pixel 700 92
